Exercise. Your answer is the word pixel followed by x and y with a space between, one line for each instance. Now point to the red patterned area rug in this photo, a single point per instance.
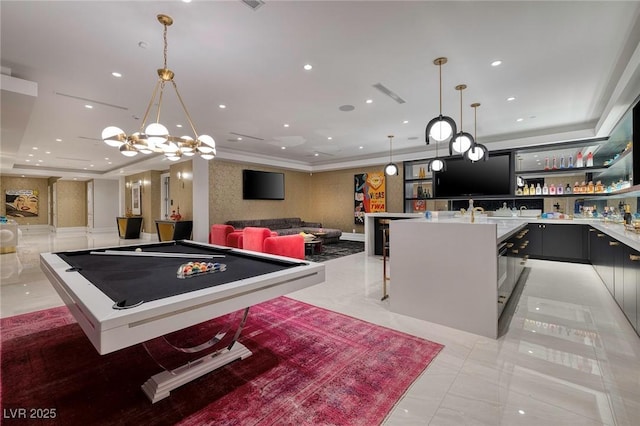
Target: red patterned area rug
pixel 310 366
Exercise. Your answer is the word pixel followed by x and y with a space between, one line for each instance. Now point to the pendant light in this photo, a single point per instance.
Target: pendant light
pixel 390 169
pixel 441 127
pixel 155 138
pixel 462 141
pixel 477 151
pixel 436 164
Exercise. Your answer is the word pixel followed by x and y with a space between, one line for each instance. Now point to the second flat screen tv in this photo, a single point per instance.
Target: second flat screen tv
pixel 483 178
pixel 257 185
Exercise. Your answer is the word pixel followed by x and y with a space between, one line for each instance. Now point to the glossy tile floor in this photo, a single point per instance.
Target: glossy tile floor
pixel 569 357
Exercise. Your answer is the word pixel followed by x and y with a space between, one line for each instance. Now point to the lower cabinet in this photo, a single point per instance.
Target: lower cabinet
pixel 557 242
pixel 619 268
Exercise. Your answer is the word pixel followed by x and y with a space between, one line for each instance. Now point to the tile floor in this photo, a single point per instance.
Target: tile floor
pixel 569 356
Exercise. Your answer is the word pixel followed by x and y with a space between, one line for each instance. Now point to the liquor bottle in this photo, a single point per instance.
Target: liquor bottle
pixel 555 163
pixel 525 191
pixel 571 161
pixel 576 188
pixel 538 189
pixel 590 188
pixel 567 190
pixel 562 165
pixel 579 162
pixel 532 190
pixel 559 189
pixel 545 189
pixel 599 186
pixel 546 163
pixel 552 189
pixel 589 160
pixel 627 214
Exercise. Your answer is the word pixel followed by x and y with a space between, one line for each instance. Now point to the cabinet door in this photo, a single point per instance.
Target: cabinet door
pixel 562 241
pixel 534 248
pixel 631 283
pixel 605 261
pixel 617 255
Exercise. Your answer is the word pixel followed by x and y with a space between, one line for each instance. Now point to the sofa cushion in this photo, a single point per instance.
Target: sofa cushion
pixel 285 245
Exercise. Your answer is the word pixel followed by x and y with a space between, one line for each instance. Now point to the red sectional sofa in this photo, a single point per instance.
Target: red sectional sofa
pixel 289 226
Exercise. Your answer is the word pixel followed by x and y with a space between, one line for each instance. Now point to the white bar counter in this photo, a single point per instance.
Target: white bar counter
pixel 445 271
pixel 369 227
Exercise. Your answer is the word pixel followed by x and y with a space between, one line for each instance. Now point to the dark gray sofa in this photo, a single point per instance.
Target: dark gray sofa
pixel 289 226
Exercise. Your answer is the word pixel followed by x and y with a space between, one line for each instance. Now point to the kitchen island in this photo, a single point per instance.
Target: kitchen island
pixel 450 271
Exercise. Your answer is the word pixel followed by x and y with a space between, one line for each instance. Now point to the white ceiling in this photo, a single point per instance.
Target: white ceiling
pixel 572 67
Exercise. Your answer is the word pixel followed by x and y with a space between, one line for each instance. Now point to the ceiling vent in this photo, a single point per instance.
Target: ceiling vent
pixel 389 93
pixel 93 101
pixel 246 136
pixel 253 4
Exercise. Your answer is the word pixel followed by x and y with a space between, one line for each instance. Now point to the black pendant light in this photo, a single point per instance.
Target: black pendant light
pixel 477 152
pixel 440 128
pixel 462 141
pixel 391 169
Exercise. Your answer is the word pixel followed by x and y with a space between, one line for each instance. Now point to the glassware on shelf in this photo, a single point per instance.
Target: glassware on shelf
pixel 567 190
pixel 579 162
pixel 559 189
pixel 552 189
pixel 599 186
pixel 545 189
pixel 546 163
pixel 571 161
pixel 562 165
pixel 590 187
pixel 589 159
pixel 538 189
pixel 555 163
pixel 576 188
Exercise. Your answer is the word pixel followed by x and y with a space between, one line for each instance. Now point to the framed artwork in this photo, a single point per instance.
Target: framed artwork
pixel 136 199
pixel 369 195
pixel 21 202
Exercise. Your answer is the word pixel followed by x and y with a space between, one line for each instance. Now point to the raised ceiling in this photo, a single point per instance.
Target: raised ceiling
pixel 571 66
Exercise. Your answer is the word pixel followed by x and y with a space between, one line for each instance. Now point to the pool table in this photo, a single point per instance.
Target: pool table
pixel 121 296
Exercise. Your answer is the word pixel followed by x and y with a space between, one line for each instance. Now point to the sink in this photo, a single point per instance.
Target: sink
pixel 503 213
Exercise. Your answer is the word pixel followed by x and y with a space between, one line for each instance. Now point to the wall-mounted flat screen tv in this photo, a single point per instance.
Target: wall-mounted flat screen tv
pixel 257 185
pixel 463 178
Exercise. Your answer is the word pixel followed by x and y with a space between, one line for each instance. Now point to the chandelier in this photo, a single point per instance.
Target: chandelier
pixel 155 137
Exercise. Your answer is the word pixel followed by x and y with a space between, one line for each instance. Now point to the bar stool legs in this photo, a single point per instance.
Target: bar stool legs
pixel 385 255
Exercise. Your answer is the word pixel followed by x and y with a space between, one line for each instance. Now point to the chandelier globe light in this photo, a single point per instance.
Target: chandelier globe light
pixel 441 127
pixel 476 152
pixel 462 141
pixel 390 169
pixel 155 137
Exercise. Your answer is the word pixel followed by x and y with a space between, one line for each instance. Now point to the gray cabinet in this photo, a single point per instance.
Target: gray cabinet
pixel 550 241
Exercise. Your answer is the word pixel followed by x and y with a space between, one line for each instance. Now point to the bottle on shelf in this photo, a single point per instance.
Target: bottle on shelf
pixel 538 189
pixel 599 187
pixel 576 188
pixel 555 163
pixel 562 165
pixel 546 163
pixel 545 189
pixel 571 162
pixel 590 188
pixel 583 187
pixel 532 190
pixel 589 159
pixel 559 189
pixel 627 214
pixel 567 190
pixel 519 191
pixel 552 189
pixel 579 162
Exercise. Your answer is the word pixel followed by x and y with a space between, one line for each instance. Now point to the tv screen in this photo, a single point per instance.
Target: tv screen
pixel 483 178
pixel 258 185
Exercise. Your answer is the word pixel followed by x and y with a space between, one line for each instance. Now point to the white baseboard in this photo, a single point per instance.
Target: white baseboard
pixel 35 229
pixel 350 236
pixel 102 230
pixel 71 230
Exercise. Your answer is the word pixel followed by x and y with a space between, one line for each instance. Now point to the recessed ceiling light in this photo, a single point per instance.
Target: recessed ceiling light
pixel 27 160
pixel 40 161
pixel 520 119
pixel 116 74
pixel 284 147
pixel 238 139
pixel 316 154
pixel 58 140
pixel 30 155
pixel 37 164
pixel 90 165
pixel 109 162
pixel 106 158
pixel 405 122
pixel 88 106
pixel 329 138
pixel 511 98
pixel 308 67
pixel 75 178
pixel 179 125
pixel 84 168
pixel 47 152
pixel 361 147
pixel 286 125
pixel 186 1
pixel 369 101
pixel 222 106
pixel 520 411
pixel 35 148
pixel 496 63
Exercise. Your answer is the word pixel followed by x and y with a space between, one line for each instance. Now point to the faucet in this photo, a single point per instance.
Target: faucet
pixel 475 209
pixel 463 212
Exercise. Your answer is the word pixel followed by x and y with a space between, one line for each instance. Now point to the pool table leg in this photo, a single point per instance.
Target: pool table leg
pixel 160 385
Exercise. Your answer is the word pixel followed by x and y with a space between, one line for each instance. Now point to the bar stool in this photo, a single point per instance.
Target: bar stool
pixel 384 226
